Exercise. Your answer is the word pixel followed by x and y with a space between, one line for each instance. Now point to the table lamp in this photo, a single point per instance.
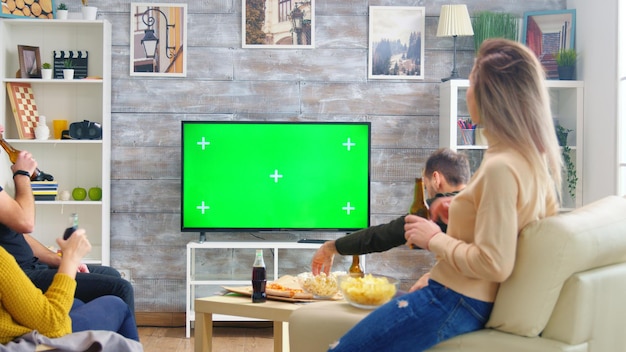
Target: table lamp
pixel 454 21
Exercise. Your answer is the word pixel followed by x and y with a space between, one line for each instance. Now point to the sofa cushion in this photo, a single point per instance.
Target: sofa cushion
pixel 551 250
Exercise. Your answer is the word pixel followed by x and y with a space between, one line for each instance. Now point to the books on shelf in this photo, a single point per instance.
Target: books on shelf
pixel 44 190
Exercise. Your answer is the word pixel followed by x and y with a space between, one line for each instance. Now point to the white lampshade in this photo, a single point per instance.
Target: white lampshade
pixel 454 20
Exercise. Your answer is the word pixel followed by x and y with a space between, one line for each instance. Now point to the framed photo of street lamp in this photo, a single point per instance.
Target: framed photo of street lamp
pixel 278 24
pixel 158 39
pixel 396 42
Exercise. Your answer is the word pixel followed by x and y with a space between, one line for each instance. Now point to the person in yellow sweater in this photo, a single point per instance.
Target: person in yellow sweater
pixel 517 182
pixel 24 308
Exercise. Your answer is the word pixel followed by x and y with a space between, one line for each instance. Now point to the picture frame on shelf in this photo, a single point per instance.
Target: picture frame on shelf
pixel 548 32
pixel 293 26
pixel 30 61
pixel 158 39
pixel 396 42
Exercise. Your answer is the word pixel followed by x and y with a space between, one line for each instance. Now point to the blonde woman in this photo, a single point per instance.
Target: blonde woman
pixel 517 182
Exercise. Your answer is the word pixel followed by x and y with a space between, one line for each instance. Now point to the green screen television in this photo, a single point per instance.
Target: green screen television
pixel 275 176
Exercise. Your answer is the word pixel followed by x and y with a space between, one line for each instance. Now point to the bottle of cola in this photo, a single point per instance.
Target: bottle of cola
pixel 259 278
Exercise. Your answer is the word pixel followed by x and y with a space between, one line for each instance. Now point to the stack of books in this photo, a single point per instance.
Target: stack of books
pixel 44 190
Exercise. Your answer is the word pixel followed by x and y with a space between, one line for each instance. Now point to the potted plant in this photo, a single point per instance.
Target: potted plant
pixel 566 63
pixel 89 12
pixel 570 167
pixel 68 69
pixel 46 70
pixel 487 24
pixel 62 11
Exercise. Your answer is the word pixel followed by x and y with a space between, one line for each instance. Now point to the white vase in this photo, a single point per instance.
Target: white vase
pixel 62 14
pixel 90 12
pixel 68 73
pixel 46 73
pixel 42 131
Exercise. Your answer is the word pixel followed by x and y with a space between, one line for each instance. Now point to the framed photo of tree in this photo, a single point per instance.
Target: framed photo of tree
pixel 396 42
pixel 278 24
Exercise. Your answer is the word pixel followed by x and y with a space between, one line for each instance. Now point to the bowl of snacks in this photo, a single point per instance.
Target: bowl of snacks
pixel 369 291
pixel 321 286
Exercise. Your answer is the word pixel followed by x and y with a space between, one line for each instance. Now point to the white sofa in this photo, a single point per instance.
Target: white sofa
pixel 567 292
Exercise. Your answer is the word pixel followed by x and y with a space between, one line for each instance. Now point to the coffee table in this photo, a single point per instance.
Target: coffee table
pixel 241 306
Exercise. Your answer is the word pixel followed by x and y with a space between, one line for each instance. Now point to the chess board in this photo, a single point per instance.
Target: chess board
pixel 24 108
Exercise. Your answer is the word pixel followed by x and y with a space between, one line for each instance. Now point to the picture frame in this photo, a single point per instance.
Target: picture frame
pixel 34 9
pixel 547 32
pixel 291 26
pixel 158 39
pixel 396 24
pixel 30 61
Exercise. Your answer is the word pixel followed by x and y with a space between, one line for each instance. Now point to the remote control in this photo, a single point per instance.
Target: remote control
pixel 307 240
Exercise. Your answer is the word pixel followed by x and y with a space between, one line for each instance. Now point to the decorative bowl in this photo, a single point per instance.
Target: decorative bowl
pixel 368 292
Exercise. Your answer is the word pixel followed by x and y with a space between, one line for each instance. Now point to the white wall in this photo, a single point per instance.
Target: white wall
pixel 622 98
pixel 596 41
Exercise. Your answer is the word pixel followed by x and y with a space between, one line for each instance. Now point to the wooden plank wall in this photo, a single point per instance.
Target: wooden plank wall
pixel 227 82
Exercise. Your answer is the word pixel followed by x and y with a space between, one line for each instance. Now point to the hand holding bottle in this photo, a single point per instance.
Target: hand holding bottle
pixel 26 162
pixel 73 249
pixel 418 231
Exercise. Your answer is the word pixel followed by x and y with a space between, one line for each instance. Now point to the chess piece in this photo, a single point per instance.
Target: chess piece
pixel 42 131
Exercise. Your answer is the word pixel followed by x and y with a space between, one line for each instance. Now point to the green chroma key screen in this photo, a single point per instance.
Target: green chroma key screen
pixel 275 176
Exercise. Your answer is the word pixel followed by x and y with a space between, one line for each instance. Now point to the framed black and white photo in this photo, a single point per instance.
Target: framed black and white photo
pixel 278 24
pixel 396 42
pixel 548 32
pixel 158 39
pixel 30 61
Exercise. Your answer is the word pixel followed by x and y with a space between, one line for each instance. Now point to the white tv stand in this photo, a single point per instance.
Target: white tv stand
pixel 194 280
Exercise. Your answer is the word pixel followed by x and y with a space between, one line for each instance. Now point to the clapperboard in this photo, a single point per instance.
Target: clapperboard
pixel 79 59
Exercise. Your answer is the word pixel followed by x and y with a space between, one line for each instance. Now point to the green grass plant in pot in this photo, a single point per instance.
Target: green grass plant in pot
pixel 488 24
pixel 566 63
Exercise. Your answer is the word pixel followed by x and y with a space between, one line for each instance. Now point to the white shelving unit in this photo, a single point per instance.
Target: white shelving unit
pixel 199 279
pixel 567 106
pixel 73 163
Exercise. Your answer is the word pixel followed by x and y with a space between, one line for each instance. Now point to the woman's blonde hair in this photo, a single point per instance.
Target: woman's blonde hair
pixel 514 105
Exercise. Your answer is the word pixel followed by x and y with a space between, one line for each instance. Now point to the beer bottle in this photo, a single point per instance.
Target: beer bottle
pixel 259 278
pixel 419 206
pixel 355 269
pixel 38 175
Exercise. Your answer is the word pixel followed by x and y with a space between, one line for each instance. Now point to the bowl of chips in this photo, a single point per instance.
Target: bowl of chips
pixel 321 286
pixel 369 291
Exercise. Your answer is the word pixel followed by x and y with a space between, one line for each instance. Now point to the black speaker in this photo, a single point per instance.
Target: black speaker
pixel 85 130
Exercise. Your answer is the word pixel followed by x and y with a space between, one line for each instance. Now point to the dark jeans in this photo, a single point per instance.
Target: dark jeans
pixel 104 313
pixel 100 281
pixel 416 321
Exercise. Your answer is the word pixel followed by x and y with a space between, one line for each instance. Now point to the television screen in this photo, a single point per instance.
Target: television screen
pixel 275 176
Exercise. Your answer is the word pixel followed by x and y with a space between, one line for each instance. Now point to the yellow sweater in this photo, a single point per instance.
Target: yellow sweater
pixel 24 308
pixel 485 219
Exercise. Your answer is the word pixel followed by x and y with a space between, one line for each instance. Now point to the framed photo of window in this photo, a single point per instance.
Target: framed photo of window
pixel 547 32
pixel 30 61
pixel 396 42
pixel 280 24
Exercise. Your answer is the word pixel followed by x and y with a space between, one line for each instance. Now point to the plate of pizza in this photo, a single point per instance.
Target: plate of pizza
pixel 286 288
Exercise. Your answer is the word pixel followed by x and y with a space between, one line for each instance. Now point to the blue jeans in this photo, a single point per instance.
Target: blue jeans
pixel 100 281
pixel 104 313
pixel 416 321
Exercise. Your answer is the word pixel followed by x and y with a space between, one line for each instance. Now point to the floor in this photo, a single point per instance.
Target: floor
pixel 227 337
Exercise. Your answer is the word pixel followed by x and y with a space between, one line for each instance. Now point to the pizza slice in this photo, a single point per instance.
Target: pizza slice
pixel 278 290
